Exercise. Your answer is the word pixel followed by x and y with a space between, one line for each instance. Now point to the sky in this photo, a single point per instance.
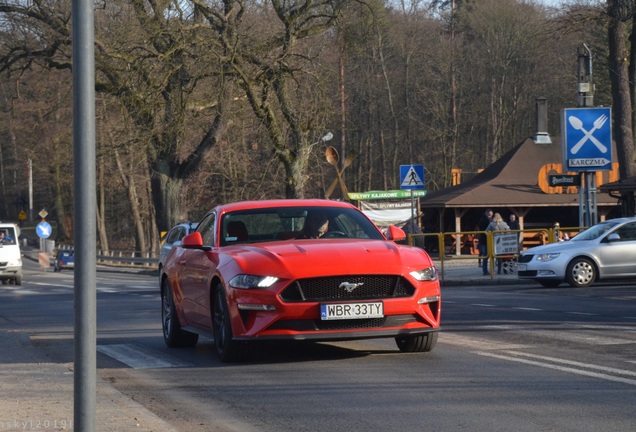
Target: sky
pixel 558 3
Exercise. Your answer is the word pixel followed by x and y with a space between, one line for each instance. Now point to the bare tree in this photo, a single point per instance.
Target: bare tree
pixel 620 12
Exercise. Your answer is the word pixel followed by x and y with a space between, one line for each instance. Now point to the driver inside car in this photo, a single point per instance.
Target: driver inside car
pixel 316 226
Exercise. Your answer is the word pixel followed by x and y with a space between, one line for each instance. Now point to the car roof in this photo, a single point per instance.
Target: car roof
pixel 188 224
pixel 244 205
pixel 620 220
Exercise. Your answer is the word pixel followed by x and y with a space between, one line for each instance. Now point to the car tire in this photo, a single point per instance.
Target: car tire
pixel 228 349
pixel 580 273
pixel 173 335
pixel 18 280
pixel 549 283
pixel 418 343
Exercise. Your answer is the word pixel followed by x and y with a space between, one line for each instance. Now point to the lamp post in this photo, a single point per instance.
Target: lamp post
pixel 328 137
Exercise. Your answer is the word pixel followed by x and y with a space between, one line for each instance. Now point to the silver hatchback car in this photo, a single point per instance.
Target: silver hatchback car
pixel 604 251
pixel 173 238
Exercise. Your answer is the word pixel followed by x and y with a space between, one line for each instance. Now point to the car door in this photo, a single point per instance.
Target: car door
pixel 176 233
pixel 618 257
pixel 194 279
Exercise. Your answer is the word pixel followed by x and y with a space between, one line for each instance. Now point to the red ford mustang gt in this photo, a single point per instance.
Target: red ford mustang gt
pixel 297 269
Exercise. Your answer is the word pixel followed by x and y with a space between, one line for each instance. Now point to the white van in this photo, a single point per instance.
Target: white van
pixel 10 254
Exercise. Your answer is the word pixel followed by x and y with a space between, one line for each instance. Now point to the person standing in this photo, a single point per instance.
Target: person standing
pixel 498 224
pixel 485 220
pixel 513 223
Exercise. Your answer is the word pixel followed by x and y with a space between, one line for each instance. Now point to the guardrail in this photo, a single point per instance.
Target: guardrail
pixel 441 246
pixel 127 258
pixel 123 258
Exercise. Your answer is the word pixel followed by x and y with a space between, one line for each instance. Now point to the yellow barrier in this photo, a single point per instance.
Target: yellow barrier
pixel 454 246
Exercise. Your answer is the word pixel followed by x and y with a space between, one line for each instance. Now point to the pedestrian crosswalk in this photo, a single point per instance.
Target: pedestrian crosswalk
pixel 141 357
pixel 46 288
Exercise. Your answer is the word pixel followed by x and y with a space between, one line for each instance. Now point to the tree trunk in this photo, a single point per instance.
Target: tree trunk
pixel 166 196
pixel 622 107
pixel 101 207
pixel 63 233
pixel 622 101
pixel 131 191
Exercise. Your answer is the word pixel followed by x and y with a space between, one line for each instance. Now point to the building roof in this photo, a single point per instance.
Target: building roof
pixel 511 181
pixel 623 185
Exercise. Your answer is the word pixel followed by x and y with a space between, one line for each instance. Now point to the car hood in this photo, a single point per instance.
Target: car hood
pixel 322 257
pixel 564 246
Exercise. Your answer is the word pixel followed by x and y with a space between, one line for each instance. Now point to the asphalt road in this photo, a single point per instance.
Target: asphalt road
pixel 509 357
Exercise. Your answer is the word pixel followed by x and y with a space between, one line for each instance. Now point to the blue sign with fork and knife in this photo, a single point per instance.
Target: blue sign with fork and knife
pixel 587 139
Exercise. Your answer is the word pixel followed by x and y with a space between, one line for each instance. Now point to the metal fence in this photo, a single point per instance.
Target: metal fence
pixel 463 246
pixel 123 258
pixel 443 247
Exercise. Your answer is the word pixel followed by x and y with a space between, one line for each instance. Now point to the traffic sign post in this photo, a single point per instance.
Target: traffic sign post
pixel 587 148
pixel 43 230
pixel 412 178
pixel 587 139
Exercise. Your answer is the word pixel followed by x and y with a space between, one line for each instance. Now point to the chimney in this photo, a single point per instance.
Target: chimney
pixel 542 136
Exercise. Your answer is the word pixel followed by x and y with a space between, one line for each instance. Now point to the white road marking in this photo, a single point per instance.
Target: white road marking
pixel 49 285
pixel 141 358
pixel 575 363
pixel 588 373
pixel 568 333
pixel 480 344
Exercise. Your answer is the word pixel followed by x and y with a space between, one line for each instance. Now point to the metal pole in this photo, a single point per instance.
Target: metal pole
pixel 586 99
pixel 582 199
pixel 85 218
pixel 592 197
pixel 30 168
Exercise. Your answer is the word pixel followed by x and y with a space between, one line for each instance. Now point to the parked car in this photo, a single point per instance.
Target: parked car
pixel 172 238
pixel 250 272
pixel 64 259
pixel 604 251
pixel 10 254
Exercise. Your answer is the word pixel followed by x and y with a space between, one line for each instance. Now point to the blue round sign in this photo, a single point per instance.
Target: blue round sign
pixel 43 229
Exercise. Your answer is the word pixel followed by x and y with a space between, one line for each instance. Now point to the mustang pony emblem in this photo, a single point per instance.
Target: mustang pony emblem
pixel 349 287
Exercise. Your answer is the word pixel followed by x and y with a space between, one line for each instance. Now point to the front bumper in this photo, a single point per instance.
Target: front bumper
pixel 10 272
pixel 542 270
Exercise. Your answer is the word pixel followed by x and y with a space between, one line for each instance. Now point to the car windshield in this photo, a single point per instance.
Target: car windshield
pixel 595 231
pixel 7 236
pixel 284 223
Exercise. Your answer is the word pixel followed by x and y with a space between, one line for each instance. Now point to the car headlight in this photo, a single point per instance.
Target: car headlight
pixel 428 274
pixel 547 257
pixel 244 281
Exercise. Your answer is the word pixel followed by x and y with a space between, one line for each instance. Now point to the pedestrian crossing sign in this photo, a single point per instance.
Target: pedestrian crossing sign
pixel 412 177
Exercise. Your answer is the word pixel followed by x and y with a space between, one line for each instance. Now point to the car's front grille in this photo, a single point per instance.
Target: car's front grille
pixel 527 273
pixel 347 288
pixel 525 258
pixel 351 324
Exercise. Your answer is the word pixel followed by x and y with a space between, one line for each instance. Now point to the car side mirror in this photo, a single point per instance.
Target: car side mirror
pixel 613 237
pixel 396 234
pixel 192 241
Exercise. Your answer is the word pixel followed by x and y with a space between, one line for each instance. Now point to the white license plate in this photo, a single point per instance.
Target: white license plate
pixel 340 311
pixel 522 267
